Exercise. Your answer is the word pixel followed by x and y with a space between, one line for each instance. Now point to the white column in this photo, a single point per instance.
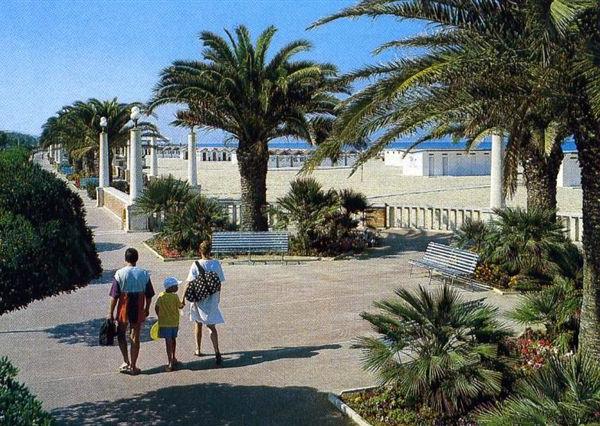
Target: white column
pixel 128 156
pixel 496 193
pixel 192 174
pixel 103 180
pixel 153 158
pixel 136 183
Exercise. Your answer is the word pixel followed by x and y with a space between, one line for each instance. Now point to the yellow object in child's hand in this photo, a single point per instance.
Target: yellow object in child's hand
pixel 154 331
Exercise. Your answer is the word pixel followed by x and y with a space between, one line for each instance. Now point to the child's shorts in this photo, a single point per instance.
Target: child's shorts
pixel 167 332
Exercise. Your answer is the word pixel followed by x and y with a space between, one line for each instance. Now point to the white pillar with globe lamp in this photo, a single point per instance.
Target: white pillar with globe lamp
pixel 153 157
pixel 104 180
pixel 192 172
pixel 496 193
pixel 135 154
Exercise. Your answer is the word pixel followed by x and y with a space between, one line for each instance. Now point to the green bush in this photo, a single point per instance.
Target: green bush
pixel 186 228
pixel 437 350
pixel 18 407
pixel 91 190
pixel 45 246
pixel 323 221
pixel 566 391
pixel 121 185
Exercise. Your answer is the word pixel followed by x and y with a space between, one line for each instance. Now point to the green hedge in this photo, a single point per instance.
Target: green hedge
pixel 18 407
pixel 45 246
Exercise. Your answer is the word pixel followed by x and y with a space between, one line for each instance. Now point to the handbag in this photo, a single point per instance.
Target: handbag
pixel 108 331
pixel 205 284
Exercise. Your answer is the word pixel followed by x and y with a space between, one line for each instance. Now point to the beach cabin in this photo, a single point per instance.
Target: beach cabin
pixel 569 174
pixel 439 162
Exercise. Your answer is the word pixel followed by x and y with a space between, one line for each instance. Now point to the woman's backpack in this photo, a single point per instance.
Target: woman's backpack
pixel 204 285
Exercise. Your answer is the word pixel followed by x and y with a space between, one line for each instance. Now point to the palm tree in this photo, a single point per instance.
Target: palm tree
pixel 564 392
pixel 77 127
pixel 456 88
pixel 307 207
pixel 529 242
pixel 437 349
pixel 163 196
pixel 563 36
pixel 255 98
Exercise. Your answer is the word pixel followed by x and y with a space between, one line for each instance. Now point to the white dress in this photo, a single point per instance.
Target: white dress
pixel 207 311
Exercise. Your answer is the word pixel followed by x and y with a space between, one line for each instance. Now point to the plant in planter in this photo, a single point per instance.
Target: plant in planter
pixel 164 196
pixel 565 391
pixel 437 350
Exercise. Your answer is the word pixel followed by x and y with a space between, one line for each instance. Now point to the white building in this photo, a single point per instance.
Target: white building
pixel 569 174
pixel 296 158
pixel 439 162
pixel 458 162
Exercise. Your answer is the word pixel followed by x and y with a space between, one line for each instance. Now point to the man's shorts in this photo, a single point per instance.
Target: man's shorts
pixel 167 332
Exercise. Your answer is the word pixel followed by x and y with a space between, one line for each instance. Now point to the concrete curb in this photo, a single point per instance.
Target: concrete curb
pixel 505 292
pixel 345 409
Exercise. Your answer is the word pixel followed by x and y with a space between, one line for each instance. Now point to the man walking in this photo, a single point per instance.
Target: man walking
pixel 131 293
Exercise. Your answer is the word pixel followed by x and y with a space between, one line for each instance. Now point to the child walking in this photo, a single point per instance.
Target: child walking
pixel 167 310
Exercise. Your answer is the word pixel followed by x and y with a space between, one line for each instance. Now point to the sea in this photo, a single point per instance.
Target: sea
pixel 568 145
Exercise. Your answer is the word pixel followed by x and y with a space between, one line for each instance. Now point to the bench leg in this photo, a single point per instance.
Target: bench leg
pixel 430 276
pixel 411 270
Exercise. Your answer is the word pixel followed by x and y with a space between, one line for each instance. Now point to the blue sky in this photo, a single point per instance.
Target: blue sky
pixel 54 52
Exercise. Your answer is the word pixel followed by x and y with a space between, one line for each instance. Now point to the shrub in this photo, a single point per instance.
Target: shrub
pixel 121 185
pixel 323 220
pixel 565 391
pixel 472 235
pixel 90 187
pixel 18 407
pixel 163 196
pixel 45 246
pixel 186 228
pixel 436 349
pixel 555 307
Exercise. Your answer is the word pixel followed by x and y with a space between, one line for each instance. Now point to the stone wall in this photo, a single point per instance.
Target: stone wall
pixel 116 202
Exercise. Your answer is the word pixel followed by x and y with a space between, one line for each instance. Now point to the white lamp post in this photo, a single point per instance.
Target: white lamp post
pixel 192 173
pixel 135 154
pixel 104 179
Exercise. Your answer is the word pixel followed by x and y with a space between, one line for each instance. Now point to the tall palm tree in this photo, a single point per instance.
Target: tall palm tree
pixel 456 88
pixel 557 63
pixel 254 97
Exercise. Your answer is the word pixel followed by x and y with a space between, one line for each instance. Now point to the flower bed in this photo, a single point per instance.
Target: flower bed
pixel 385 407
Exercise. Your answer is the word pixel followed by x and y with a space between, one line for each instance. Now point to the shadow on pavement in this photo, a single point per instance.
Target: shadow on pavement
pixel 246 358
pixel 209 404
pixel 100 247
pixel 394 243
pixel 87 332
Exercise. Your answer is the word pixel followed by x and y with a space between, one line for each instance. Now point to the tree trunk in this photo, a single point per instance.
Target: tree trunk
pixel 587 134
pixel 253 160
pixel 540 172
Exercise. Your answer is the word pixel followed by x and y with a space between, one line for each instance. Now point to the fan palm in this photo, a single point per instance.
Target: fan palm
pixel 307 207
pixel 163 196
pixel 556 308
pixel 564 392
pixel 187 227
pixel 254 97
pixel 436 348
pixel 472 235
pixel 529 242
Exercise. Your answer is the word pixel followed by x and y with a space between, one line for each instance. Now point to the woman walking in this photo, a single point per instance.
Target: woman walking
pixel 207 311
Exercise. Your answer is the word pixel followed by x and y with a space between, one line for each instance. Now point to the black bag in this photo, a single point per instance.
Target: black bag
pixel 204 285
pixel 108 331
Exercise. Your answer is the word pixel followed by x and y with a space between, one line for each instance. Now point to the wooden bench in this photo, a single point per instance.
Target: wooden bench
pixel 449 262
pixel 251 242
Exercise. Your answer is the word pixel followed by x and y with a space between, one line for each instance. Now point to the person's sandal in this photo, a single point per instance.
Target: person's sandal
pixel 198 353
pixel 125 368
pixel 218 360
pixel 169 368
pixel 134 371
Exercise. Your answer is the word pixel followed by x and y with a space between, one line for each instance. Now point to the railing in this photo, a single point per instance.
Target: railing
pixel 452 218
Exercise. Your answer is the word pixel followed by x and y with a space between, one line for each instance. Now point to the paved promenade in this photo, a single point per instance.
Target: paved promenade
pixel 286 341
